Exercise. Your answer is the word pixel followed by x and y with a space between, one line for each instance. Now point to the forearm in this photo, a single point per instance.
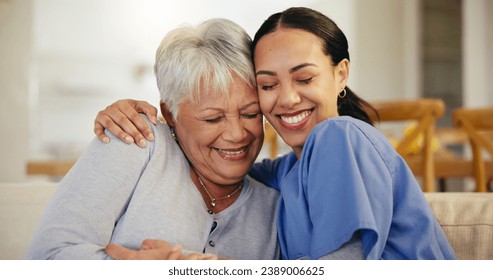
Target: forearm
pixel 63 251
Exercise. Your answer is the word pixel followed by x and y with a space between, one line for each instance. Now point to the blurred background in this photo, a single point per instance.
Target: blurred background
pixel 62 61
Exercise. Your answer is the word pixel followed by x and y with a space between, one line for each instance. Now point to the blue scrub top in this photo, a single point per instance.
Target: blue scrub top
pixel 350 179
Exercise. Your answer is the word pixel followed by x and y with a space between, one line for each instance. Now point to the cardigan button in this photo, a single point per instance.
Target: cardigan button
pixel 212 244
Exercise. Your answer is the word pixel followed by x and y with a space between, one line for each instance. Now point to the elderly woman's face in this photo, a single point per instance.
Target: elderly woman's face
pixel 222 136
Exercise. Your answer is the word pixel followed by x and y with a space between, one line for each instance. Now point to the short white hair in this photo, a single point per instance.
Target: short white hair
pixel 208 56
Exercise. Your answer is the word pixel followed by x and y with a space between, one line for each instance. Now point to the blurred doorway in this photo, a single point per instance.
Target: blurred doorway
pixel 442 37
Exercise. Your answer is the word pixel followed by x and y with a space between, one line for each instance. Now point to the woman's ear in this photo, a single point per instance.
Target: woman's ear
pixel 168 116
pixel 342 72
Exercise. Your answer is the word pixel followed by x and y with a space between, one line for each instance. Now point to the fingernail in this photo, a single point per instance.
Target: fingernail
pixel 150 136
pixel 142 143
pixel 106 139
pixel 129 139
pixel 154 120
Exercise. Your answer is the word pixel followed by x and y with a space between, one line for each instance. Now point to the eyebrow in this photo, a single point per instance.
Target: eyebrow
pixel 250 104
pixel 292 70
pixel 241 108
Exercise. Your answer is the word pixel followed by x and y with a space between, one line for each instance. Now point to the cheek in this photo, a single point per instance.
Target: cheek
pixel 256 128
pixel 267 102
pixel 266 107
pixel 201 137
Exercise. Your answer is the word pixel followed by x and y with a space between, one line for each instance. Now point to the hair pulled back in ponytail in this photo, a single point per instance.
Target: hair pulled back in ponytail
pixel 354 106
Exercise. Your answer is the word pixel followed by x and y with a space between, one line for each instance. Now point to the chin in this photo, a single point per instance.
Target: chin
pixel 294 139
pixel 236 172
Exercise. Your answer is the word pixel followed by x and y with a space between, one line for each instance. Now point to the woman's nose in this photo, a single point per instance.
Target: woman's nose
pixel 288 97
pixel 235 130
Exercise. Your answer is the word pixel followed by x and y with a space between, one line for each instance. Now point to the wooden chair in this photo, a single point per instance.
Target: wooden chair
pixel 424 113
pixel 51 168
pixel 478 125
pixel 450 162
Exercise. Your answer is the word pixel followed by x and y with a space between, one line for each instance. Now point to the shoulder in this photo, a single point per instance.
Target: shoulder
pixel 131 155
pixel 163 140
pixel 346 124
pixel 260 189
pixel 345 138
pixel 273 166
pixel 161 131
pixel 350 131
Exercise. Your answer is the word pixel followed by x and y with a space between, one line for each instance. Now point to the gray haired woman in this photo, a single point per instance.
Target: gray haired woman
pixel 189 186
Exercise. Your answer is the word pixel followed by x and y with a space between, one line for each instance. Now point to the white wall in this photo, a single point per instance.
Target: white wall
pixel 15 55
pixel 477 54
pixel 387 49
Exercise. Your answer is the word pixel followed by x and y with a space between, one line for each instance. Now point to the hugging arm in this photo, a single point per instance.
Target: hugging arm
pixel 349 191
pixel 123 120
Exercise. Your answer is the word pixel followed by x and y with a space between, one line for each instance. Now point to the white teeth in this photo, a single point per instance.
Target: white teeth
pixel 231 152
pixel 296 119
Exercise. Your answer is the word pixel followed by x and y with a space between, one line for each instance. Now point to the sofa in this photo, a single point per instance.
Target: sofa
pixel 21 207
pixel 466 218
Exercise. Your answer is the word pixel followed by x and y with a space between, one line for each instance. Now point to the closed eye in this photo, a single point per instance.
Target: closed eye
pixel 251 116
pixel 306 81
pixel 214 120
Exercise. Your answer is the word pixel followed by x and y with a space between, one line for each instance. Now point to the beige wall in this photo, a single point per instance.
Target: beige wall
pixel 387 48
pixel 15 55
pixel 477 54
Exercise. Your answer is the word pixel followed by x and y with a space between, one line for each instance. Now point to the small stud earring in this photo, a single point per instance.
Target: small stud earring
pixel 172 130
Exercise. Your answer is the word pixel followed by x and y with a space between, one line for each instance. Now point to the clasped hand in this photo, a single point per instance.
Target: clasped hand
pixel 154 250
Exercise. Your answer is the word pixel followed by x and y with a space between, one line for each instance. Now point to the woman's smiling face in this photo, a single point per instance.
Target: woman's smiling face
pixel 297 83
pixel 221 135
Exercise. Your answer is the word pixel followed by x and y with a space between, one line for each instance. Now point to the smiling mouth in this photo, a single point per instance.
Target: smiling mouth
pixel 296 119
pixel 232 153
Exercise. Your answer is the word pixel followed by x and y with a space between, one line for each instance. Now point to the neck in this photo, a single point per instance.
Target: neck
pixel 216 197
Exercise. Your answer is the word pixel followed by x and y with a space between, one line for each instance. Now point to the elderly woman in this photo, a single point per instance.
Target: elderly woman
pixel 189 186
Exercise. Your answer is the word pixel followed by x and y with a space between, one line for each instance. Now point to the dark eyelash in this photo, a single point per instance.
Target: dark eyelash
pixel 267 87
pixel 215 120
pixel 306 81
pixel 251 116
